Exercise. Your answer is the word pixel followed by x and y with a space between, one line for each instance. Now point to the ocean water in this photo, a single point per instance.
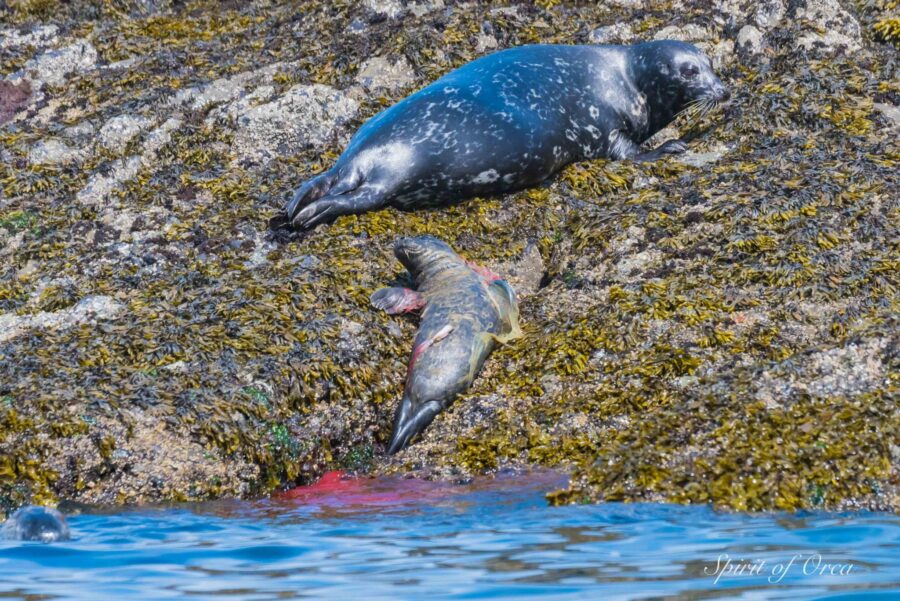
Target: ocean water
pixel 494 538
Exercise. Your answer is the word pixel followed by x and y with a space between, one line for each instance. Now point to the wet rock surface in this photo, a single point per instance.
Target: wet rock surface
pixel 720 326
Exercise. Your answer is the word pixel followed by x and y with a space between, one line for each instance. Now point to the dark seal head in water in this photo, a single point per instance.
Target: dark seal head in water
pixel 468 310
pixel 511 120
pixel 34 523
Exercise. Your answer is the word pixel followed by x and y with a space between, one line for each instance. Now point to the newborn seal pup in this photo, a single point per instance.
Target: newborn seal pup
pixel 34 523
pixel 468 310
pixel 511 120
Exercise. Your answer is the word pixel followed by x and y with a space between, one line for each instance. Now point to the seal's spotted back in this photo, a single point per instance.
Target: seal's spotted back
pixel 510 120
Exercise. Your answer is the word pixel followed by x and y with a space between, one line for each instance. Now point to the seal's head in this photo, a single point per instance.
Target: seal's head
pixel 674 77
pixel 424 256
pixel 35 523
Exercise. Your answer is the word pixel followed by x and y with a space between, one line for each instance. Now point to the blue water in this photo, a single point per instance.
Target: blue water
pixel 495 539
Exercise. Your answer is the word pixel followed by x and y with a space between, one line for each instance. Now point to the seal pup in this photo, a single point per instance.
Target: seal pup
pixel 35 523
pixel 510 120
pixel 468 310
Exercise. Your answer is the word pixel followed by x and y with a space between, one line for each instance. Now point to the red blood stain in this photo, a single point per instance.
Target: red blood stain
pixel 339 490
pixel 488 275
pixel 417 352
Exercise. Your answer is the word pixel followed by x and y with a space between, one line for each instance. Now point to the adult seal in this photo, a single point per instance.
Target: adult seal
pixel 510 120
pixel 467 311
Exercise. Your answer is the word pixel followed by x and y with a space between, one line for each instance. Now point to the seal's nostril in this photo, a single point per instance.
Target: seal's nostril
pixel 725 94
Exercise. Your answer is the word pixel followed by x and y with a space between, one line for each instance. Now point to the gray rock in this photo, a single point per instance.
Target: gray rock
pixel 379 72
pixel 236 108
pixel 54 152
pixel 304 115
pixel 421 8
pixel 226 89
pixel 686 33
pixel 619 33
pixel 118 131
pixel 485 42
pixel 526 272
pixel 834 27
pixel 39 37
pixel 101 184
pixel 357 27
pixel 701 159
pixel 80 133
pixel 750 40
pixel 891 113
pixel 628 3
pixel 88 310
pixel 769 13
pixel 848 371
pixel 53 66
pixel 388 8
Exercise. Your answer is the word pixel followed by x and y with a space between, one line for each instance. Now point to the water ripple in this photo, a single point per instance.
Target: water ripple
pixel 495 540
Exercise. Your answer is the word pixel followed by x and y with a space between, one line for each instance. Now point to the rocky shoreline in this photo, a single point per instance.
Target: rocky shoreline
pixel 719 327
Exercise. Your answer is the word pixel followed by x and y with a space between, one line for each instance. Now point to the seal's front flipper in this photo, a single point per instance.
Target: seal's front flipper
pixel 397 300
pixel 410 421
pixel 330 207
pixel 667 147
pixel 508 308
pixel 622 147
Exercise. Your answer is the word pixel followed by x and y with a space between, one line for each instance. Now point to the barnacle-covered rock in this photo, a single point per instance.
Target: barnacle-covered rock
pixel 618 33
pixel 87 310
pixel 53 151
pixel 822 26
pixel 36 37
pixel 53 66
pixel 834 26
pixel 380 72
pixel 118 131
pixel 750 39
pixel 306 115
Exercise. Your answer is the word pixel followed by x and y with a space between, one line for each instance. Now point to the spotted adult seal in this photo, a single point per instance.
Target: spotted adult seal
pixel 511 120
pixel 468 310
pixel 35 523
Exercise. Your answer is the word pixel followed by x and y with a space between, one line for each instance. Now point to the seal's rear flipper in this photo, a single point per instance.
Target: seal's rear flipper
pixel 331 206
pixel 397 300
pixel 312 189
pixel 410 421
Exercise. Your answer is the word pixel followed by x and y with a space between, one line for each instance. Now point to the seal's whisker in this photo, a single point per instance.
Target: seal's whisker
pixel 691 109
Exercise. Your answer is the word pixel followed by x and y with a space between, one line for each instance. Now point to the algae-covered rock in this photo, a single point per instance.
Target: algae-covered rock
pixel 719 327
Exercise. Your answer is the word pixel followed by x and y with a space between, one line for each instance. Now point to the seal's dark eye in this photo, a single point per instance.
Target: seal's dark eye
pixel 689 71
